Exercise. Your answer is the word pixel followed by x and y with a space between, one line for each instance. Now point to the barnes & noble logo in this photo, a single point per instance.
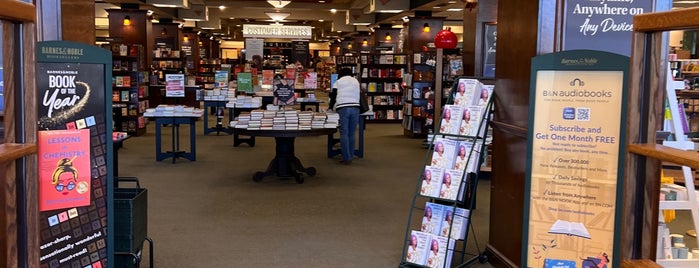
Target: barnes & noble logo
pixel 578 62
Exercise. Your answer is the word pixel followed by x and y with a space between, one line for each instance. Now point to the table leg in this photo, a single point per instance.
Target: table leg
pixel 285 163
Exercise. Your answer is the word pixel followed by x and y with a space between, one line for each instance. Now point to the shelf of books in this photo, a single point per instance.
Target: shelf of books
pixel 445 193
pixel 381 75
pixel 167 61
pixel 419 94
pixel 206 76
pixel 129 89
pixel 347 61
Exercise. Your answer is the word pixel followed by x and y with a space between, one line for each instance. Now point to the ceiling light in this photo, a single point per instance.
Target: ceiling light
pixel 149 12
pixel 451 2
pixel 277 16
pixel 186 38
pixel 426 28
pixel 221 7
pixel 332 10
pixel 455 9
pixel 321 20
pixel 321 1
pixel 388 37
pixel 278 3
pixel 436 7
pixel 365 42
pixel 127 21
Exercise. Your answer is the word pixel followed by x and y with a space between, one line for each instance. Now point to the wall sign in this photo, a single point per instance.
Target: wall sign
pixel 73 81
pixel 601 25
pixel 576 156
pixel 277 31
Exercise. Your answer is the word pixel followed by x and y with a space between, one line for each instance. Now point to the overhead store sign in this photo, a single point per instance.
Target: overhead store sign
pixel 277 31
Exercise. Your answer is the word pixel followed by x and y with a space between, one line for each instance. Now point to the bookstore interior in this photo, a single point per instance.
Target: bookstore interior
pixel 249 79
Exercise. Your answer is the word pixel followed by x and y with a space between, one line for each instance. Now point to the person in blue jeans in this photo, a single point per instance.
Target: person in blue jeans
pixel 344 99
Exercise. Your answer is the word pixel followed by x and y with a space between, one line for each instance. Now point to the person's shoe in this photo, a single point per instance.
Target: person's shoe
pixel 346 162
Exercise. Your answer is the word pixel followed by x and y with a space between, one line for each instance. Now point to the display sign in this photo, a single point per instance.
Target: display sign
pixel 575 157
pixel 174 85
pixel 277 31
pixel 75 148
pixel 299 53
pixel 254 49
pixel 601 25
pixel 221 79
pixel 490 41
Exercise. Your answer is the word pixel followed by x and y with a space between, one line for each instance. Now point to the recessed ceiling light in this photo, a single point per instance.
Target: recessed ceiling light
pixel 455 9
pixel 221 7
pixel 333 10
pixel 321 20
pixel 436 7
pixel 452 2
pixel 321 1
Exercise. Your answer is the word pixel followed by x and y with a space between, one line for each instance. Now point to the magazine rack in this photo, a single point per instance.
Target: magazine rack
pixel 466 198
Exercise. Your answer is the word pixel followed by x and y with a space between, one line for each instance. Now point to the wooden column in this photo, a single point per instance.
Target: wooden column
pixel 78 21
pixel 519 39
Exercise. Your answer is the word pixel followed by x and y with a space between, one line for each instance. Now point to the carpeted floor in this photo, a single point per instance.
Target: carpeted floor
pixel 210 213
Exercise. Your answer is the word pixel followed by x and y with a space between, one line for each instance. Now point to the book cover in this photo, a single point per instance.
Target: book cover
pixel 440 252
pixel 120 81
pixel 467 92
pixel 486 94
pixel 244 82
pixel 64 168
pixel 371 87
pixel 290 73
pixel 417 247
pixel 267 77
pixel 459 222
pixel 471 121
pixel 450 119
pixel 432 218
pixel 311 80
pixel 451 181
pixel 569 228
pixel 127 81
pixel 124 95
pixel 444 152
pixel 467 156
pixel 115 95
pixel 431 181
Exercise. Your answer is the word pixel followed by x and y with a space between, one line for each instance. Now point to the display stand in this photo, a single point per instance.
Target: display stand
pixel 466 199
pixel 218 105
pixel 683 143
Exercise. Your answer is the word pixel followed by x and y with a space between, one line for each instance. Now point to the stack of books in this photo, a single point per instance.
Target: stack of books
pixel 318 120
pixel 242 121
pixel 305 120
pixel 291 118
pixel 244 102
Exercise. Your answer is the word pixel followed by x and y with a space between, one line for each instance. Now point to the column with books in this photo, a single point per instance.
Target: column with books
pixel 129 87
pixel 445 193
pixel 381 75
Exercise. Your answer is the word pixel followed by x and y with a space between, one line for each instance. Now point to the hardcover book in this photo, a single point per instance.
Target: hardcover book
pixel 120 81
pixel 444 152
pixel 417 247
pixel 460 222
pixel 431 181
pixel 432 218
pixel 467 156
pixel 451 119
pixel 64 168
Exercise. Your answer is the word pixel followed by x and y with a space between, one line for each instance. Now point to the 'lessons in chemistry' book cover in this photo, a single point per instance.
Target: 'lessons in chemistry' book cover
pixel 64 168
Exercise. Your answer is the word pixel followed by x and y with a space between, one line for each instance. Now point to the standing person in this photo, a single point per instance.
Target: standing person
pixel 344 99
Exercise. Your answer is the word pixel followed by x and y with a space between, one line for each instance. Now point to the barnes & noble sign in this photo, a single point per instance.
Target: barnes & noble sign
pixel 604 25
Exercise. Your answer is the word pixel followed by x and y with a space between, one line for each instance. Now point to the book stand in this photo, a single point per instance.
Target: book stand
pixel 467 200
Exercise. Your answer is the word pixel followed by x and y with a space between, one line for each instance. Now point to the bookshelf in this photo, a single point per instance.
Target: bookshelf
pixel 381 75
pixel 420 93
pixel 207 72
pixel 166 61
pixel 129 89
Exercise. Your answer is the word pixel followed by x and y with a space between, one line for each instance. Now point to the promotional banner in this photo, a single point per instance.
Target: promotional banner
pixel 575 154
pixel 74 145
pixel 601 25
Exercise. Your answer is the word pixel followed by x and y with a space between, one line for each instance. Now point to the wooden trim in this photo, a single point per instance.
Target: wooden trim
pixel 497 259
pixel 510 129
pixel 17 11
pixel 31 184
pixel 644 263
pixel 13 151
pixel 678 19
pixel 665 153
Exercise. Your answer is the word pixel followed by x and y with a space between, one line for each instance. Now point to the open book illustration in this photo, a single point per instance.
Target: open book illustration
pixel 569 228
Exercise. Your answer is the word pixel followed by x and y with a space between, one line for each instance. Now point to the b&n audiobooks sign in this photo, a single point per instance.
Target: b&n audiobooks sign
pixel 575 159
pixel 74 154
pixel 604 25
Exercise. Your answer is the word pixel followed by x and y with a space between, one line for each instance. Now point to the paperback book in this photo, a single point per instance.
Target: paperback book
pixel 451 183
pixel 467 92
pixel 444 152
pixel 417 247
pixel 432 218
pixel 450 119
pixel 467 156
pixel 440 252
pixel 431 181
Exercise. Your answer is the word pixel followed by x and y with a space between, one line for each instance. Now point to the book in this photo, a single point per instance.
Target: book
pixel 450 119
pixel 440 252
pixel 451 183
pixel 119 81
pixel 311 80
pixel 444 152
pixel 432 218
pixel 431 181
pixel 127 81
pixel 64 168
pixel 124 95
pixel 569 228
pixel 459 224
pixel 471 121
pixel 467 92
pixel 417 247
pixel 467 156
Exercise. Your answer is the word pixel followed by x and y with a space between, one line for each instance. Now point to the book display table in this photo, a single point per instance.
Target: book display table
pixel 285 163
pixel 237 140
pixel 216 104
pixel 175 119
